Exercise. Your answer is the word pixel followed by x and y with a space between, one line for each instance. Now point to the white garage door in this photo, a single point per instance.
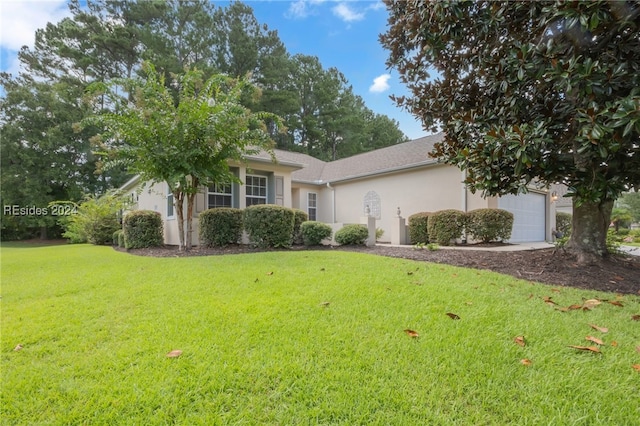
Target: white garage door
pixel 528 216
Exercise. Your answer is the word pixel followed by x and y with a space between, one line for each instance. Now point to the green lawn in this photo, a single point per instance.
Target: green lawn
pixel 261 346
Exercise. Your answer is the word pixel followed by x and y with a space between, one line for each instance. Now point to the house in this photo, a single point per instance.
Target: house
pixel 381 183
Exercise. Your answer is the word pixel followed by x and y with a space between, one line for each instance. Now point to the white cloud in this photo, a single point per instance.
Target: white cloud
pixel 19 20
pixel 346 13
pixel 297 10
pixel 380 84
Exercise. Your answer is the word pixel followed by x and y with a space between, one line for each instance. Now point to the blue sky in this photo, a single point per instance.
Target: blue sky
pixel 343 34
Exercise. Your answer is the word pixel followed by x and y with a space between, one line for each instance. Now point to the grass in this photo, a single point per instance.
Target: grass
pixel 261 346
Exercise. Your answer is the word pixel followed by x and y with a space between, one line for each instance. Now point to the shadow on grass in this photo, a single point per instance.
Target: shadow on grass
pixel 36 242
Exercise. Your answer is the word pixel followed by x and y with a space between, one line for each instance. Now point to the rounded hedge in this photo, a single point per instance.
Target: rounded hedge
pixel 269 225
pixel 352 235
pixel 418 231
pixel 445 226
pixel 314 232
pixel 142 229
pixel 299 217
pixel 488 225
pixel 116 236
pixel 563 223
pixel 220 227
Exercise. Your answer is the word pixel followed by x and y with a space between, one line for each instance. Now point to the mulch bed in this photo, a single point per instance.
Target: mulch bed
pixel 620 274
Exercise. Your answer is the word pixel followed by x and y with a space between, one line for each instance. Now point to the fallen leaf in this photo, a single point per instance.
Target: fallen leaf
pixel 525 361
pixel 18 347
pixel 468 303
pixel 256 280
pixel 635 317
pixel 618 277
pixel 519 340
pixel 548 301
pixel 530 296
pixel 410 273
pixel 555 290
pixel 453 316
pixel 574 307
pixel 636 367
pixel 412 333
pixel 174 353
pixel 586 348
pixel 591 303
pixel 322 269
pixel 325 304
pixel 617 303
pixel 597 327
pixel 594 340
pixel 614 344
pixel 637 348
pixel 270 273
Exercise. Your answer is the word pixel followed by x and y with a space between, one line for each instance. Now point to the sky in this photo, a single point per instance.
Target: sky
pixel 342 34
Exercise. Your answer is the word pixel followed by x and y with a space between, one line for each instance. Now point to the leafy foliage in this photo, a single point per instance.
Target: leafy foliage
pixel 269 225
pixel 353 234
pixel 445 226
pixel 418 231
pixel 528 92
pixel 142 229
pixel 95 220
pixel 563 223
pixel 220 227
pixel 117 236
pixel 299 218
pixel 488 225
pixel 314 232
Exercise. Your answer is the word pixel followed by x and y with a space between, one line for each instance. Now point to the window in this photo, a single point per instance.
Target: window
pixel 169 202
pixel 219 195
pixel 256 187
pixel 312 204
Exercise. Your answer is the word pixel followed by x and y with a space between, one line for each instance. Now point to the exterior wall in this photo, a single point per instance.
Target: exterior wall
pixel 433 188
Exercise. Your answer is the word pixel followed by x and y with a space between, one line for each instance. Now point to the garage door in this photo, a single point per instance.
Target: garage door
pixel 528 216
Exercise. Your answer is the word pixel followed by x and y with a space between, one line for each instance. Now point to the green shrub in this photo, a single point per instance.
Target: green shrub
pixel 95 219
pixel 445 225
pixel 563 223
pixel 352 235
pixel 314 232
pixel 379 233
pixel 269 225
pixel 116 236
pixel 220 227
pixel 121 239
pixel 299 217
pixel 418 232
pixel 488 225
pixel 142 229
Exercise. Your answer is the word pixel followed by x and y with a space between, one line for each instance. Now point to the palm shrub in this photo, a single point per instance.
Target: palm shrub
pixel 445 225
pixel 142 229
pixel 220 227
pixel 418 232
pixel 488 225
pixel 269 225
pixel 352 235
pixel 299 217
pixel 95 220
pixel 314 232
pixel 563 223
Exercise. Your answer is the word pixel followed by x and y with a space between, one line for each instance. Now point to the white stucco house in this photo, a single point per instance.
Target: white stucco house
pixel 376 183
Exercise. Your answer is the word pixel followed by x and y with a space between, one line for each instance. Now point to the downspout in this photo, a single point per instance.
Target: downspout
pixel 333 202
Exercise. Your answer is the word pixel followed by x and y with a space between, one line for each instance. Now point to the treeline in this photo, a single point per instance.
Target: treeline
pixel 46 157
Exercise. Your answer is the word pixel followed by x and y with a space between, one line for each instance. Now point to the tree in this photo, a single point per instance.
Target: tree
pixel 184 141
pixel 529 93
pixel 631 201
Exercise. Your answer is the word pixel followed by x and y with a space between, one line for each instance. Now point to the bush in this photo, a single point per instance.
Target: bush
pixel 116 236
pixel 220 227
pixel 352 235
pixel 299 217
pixel 445 225
pixel 95 220
pixel 142 229
pixel 269 225
pixel 418 232
pixel 379 233
pixel 563 223
pixel 488 225
pixel 314 232
pixel 121 239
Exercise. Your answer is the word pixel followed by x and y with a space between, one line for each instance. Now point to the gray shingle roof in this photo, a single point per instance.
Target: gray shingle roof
pixel 392 158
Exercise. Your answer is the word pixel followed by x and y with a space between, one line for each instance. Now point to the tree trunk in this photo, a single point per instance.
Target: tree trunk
pixel 590 223
pixel 190 202
pixel 178 203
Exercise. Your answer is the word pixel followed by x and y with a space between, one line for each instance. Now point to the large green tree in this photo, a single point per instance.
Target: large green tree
pixel 184 139
pixel 528 93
